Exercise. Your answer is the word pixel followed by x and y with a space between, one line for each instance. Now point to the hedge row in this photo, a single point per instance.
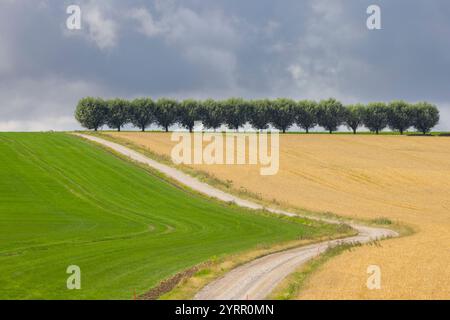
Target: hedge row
pixel 93 113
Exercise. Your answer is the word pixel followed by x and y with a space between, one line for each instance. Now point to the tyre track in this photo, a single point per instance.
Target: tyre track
pixel 256 279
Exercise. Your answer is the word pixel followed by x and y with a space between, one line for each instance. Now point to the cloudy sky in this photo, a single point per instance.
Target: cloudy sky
pixel 218 48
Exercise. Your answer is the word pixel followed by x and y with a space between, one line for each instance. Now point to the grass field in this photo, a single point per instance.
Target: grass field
pixel 64 201
pixel 400 178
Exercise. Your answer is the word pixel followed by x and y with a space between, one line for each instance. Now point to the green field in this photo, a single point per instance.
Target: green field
pixel 65 201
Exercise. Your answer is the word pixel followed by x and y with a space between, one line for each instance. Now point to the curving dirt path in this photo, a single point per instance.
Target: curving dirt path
pixel 256 279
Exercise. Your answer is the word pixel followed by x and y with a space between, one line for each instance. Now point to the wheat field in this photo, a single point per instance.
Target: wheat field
pixel 404 179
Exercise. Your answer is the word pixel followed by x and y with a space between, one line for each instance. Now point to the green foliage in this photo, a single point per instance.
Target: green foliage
pixel 330 114
pixel 354 116
pixel 142 112
pixel 425 116
pixel 235 112
pixel 400 115
pixel 306 114
pixel 91 113
pixel 375 116
pixel 166 112
pixel 210 114
pixel 188 113
pixel 259 113
pixel 382 220
pixel 283 113
pixel 73 203
pixel 295 282
pixel 118 113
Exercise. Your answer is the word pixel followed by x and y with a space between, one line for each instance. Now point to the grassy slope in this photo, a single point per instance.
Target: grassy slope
pixel 64 201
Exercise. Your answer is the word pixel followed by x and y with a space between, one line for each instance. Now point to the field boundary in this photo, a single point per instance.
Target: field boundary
pixel 226 187
pixel 235 259
pixel 214 290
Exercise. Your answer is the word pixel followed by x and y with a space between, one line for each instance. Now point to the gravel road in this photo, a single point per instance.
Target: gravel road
pixel 256 279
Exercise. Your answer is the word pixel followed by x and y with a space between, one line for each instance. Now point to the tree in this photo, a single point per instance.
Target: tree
pixel 375 116
pixel 400 116
pixel 306 114
pixel 259 113
pixel 166 112
pixel 188 113
pixel 91 113
pixel 330 114
pixel 282 113
pixel 210 113
pixel 425 116
pixel 118 113
pixel 235 112
pixel 354 116
pixel 141 113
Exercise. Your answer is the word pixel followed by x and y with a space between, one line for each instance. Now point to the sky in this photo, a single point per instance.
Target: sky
pixel 311 49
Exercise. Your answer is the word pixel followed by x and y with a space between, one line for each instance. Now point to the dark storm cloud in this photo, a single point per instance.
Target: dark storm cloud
pixel 311 49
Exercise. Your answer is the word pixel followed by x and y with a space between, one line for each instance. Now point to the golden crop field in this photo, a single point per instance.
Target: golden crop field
pixel 405 179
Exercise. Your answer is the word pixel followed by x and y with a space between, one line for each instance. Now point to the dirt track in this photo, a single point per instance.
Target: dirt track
pixel 256 279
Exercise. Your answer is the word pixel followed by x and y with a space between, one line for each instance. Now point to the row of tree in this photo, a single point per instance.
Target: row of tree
pixel 93 113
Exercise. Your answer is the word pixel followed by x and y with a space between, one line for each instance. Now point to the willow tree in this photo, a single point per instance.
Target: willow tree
pixel 91 113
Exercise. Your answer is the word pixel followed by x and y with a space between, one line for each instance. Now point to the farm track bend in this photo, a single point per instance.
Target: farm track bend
pixel 256 279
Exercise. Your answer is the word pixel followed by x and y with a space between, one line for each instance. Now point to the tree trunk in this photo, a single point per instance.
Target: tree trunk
pixel 284 130
pixel 95 129
pixel 354 131
pixel 190 129
pixel 377 131
pixel 143 129
pixel 118 129
pixel 307 130
pixel 331 131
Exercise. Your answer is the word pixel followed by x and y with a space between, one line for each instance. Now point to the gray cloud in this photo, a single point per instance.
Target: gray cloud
pixel 101 29
pixel 192 48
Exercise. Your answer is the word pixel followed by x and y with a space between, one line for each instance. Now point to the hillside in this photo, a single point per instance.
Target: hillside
pixel 64 201
pixel 404 179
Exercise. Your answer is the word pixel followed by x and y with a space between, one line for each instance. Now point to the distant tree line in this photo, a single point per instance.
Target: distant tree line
pixel 93 113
